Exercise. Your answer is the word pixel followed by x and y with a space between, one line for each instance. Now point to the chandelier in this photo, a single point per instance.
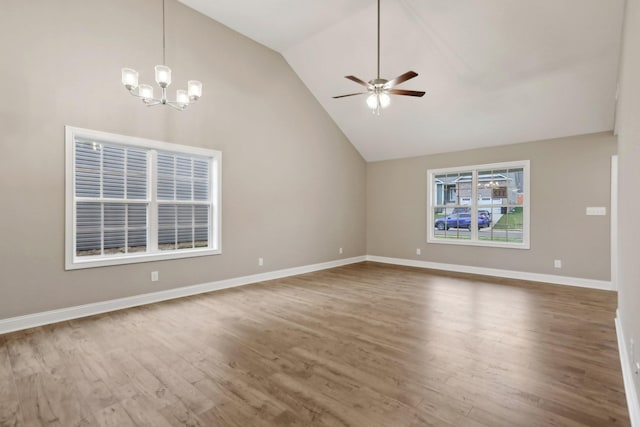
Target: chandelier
pixel 184 98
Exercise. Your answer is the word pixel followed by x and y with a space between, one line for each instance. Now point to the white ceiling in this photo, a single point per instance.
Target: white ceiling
pixel 495 71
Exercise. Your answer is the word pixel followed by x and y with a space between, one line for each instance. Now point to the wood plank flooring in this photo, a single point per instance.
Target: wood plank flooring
pixel 361 345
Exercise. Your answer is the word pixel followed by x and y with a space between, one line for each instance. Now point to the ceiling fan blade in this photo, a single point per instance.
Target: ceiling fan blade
pixel 400 79
pixel 357 80
pixel 351 94
pixel 406 92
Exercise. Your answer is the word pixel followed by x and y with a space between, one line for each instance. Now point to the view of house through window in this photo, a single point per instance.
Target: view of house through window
pixel 480 205
pixel 133 200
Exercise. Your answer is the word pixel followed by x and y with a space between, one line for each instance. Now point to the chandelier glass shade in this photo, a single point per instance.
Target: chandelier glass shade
pixel 183 99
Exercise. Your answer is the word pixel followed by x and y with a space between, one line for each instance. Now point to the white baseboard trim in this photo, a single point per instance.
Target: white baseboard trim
pixel 13 324
pixel 509 274
pixel 627 376
pixel 43 318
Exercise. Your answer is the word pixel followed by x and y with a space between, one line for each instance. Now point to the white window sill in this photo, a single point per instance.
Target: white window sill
pixel 483 243
pixel 103 261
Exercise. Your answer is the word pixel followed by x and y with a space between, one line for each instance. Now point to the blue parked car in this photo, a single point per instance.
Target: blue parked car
pixel 461 220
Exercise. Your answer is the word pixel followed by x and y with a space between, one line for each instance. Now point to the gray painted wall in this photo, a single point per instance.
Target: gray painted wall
pixel 293 186
pixel 629 177
pixel 567 175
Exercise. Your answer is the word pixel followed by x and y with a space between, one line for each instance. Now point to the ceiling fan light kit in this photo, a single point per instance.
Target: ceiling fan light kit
pixel 184 98
pixel 380 89
pixel 378 100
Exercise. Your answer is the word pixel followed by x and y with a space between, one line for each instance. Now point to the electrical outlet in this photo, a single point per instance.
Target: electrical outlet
pixel 155 276
pixel 557 263
pixel 636 369
pixel 260 261
pixel 340 250
pixel 418 251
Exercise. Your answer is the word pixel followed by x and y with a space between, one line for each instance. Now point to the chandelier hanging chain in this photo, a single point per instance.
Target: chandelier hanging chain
pixel 164 32
pixel 184 98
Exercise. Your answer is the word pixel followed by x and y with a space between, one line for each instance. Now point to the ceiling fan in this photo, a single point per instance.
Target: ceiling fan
pixel 379 89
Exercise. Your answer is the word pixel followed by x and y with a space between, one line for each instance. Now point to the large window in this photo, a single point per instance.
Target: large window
pixel 485 205
pixel 133 200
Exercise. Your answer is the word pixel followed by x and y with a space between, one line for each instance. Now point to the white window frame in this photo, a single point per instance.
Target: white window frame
pixel 73 262
pixel 474 240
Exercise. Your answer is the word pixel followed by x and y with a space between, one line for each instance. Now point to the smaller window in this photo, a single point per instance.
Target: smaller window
pixel 482 205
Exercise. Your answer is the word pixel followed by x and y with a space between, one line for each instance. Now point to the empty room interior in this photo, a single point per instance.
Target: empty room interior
pixel 204 223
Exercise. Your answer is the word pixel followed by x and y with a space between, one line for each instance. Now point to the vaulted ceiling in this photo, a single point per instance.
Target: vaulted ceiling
pixel 495 71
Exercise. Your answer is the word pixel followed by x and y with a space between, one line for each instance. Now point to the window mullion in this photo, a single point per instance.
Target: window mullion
pixel 193 206
pixel 126 206
pixel 102 202
pixel 101 228
pixel 175 227
pixel 101 172
pixel 126 228
pixel 152 197
pixel 176 240
pixel 474 205
pixel 214 214
pixel 175 178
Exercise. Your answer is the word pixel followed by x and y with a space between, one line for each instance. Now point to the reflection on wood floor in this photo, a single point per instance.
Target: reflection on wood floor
pixel 361 345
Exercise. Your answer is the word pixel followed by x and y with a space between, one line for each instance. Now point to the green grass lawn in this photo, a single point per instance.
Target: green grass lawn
pixel 500 239
pixel 510 221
